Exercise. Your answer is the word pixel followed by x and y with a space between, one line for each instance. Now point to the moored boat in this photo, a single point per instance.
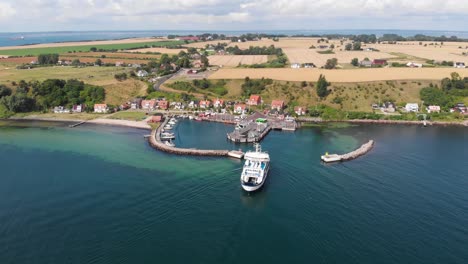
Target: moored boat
pixel 255 170
pixel 169 143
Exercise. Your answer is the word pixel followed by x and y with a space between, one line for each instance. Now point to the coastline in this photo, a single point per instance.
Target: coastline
pixel 98 121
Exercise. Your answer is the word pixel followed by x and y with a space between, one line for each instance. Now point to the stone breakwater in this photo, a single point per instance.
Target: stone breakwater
pixel 155 142
pixel 358 152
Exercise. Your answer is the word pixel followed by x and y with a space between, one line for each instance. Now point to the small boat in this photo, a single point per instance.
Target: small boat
pixel 255 171
pixel 190 117
pixel 330 157
pixel 168 127
pixel 169 143
pixel 167 136
pixel 171 123
pixel 198 119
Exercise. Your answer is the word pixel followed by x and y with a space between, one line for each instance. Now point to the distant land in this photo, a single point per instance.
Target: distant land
pixel 28 38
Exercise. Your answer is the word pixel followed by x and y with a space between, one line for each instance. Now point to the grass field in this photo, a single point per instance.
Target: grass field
pixel 346 75
pixel 129 115
pixel 85 48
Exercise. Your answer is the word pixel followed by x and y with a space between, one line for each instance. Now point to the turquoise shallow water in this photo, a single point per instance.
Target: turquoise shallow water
pixel 97 194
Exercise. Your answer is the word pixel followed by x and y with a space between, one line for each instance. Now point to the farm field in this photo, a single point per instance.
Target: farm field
pixel 85 48
pixel 104 60
pixel 352 75
pixel 203 44
pixel 160 50
pixel 235 60
pixel 118 55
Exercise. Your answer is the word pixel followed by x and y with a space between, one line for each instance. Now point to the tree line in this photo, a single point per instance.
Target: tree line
pixel 42 96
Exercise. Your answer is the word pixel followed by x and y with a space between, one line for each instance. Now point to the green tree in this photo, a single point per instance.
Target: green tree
pixel 75 62
pixel 4 91
pixel 357 46
pixel 45 59
pixel 349 46
pixel 98 62
pixel 355 62
pixel 322 86
pixel 331 63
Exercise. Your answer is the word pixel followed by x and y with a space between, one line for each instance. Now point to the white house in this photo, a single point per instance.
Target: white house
pixel 78 108
pixel 240 109
pixel 433 109
pixel 295 65
pixel 61 110
pixel 460 65
pixel 412 107
pixel 192 105
pixel 142 73
pixel 100 108
pixel 414 65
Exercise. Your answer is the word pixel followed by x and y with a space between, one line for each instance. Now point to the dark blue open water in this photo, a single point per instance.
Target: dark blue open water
pixel 97 194
pixel 14 38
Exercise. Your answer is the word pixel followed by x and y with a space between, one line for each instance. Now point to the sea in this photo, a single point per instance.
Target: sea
pixel 101 194
pixel 28 38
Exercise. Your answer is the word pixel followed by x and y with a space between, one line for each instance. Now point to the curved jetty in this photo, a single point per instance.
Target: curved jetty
pixel 351 155
pixel 155 142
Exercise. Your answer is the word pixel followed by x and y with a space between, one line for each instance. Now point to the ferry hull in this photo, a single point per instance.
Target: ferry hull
pixel 253 188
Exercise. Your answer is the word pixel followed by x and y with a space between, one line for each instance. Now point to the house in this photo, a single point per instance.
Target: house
pixel 277 104
pixel 460 65
pixel 254 100
pixel 369 49
pixel 119 63
pixel 135 65
pixel 78 108
pixel 300 110
pixel 240 108
pixel 197 64
pixel 163 104
pixel 323 47
pixel 433 109
pixel 388 107
pixel 136 104
pixel 155 119
pixel 295 65
pixel 366 63
pixel 192 105
pixel 148 104
pixel 100 108
pixel 412 107
pixel 218 103
pixel 309 65
pixel 378 62
pixel 205 104
pixel 460 107
pixel 61 110
pixel 142 73
pixel 124 106
pixel 414 65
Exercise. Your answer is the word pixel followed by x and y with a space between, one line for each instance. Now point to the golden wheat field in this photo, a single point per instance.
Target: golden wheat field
pixel 235 60
pixel 351 75
pixel 160 50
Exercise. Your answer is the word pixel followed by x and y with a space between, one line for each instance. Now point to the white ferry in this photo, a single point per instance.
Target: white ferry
pixel 255 171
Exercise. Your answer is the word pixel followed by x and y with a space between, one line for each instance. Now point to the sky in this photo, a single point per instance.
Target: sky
pixel 59 15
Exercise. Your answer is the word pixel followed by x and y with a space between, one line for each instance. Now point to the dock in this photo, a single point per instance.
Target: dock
pixel 77 124
pixel 155 142
pixel 365 148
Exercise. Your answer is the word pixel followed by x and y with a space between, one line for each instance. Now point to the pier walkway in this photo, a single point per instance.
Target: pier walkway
pixel 365 148
pixel 155 142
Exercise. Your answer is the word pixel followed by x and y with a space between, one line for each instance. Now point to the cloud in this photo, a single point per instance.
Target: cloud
pixel 233 15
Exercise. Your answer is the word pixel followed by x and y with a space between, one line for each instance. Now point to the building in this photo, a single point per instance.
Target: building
pixel 388 107
pixel 197 64
pixel 218 103
pixel 142 73
pixel 155 119
pixel 78 108
pixel 309 65
pixel 149 104
pixel 277 104
pixel 460 65
pixel 136 104
pixel 163 104
pixel 295 65
pixel 366 63
pixel 433 109
pixel 412 107
pixel 240 108
pixel 61 110
pixel 378 62
pixel 119 63
pixel 300 110
pixel 255 100
pixel 414 65
pixel 100 108
pixel 460 108
pixel 192 105
pixel 205 104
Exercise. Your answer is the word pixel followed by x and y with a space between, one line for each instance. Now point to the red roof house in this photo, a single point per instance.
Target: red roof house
pixel 255 100
pixel 148 104
pixel 277 104
pixel 163 104
pixel 377 62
